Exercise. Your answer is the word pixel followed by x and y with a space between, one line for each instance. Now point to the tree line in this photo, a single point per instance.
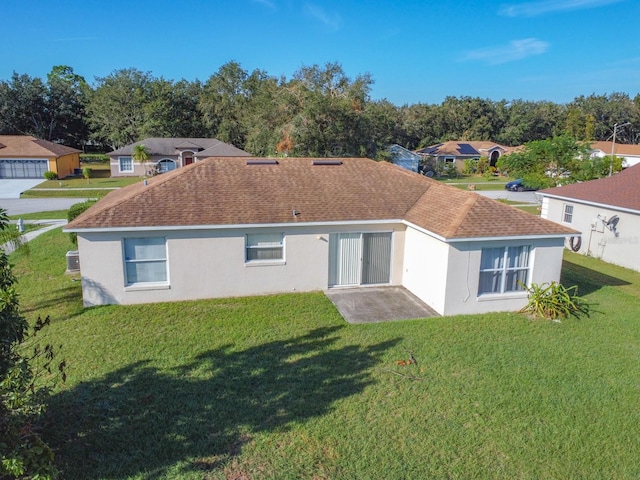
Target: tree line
pixel 319 111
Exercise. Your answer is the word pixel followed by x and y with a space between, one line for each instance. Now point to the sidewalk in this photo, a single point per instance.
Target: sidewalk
pixel 31 234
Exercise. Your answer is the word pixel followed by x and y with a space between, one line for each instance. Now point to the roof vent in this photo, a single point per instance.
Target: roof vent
pixel 262 161
pixel 327 162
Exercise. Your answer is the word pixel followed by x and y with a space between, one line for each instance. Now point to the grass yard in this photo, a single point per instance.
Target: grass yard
pixel 280 387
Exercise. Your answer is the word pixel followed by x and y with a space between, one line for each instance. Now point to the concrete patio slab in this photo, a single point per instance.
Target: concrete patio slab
pixel 378 304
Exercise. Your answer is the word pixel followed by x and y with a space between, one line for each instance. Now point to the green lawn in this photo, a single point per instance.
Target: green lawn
pixel 81 187
pixel 280 387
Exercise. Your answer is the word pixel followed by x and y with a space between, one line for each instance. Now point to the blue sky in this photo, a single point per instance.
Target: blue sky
pixel 416 51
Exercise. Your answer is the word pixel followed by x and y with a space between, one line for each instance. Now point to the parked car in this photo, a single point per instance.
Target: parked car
pixel 517 186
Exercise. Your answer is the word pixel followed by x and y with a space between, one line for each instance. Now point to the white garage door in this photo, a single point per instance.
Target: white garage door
pixel 22 168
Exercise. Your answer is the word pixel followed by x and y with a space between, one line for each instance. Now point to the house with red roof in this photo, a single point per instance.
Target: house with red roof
pixel 607 213
pixel 166 154
pixel 24 156
pixel 228 226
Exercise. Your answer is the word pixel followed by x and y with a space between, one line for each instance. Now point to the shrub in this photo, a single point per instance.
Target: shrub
pixel 554 301
pixel 469 166
pixel 94 158
pixel 49 175
pixel 74 211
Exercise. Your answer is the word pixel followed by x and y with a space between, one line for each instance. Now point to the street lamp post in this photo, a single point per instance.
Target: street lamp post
pixel 613 143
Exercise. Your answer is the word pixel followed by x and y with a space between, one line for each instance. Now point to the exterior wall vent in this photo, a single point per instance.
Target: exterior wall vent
pixel 262 161
pixel 327 162
pixel 73 261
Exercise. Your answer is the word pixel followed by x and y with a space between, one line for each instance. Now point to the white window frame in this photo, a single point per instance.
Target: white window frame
pixel 449 160
pixel 254 243
pixel 123 170
pixel 504 269
pixel 153 242
pixel 567 213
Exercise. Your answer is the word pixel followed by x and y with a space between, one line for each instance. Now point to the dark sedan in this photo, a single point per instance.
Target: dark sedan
pixel 517 186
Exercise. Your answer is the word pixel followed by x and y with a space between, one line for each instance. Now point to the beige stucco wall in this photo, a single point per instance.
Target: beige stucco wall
pixel 446 276
pixel 464 275
pixel 211 264
pixel 426 261
pixel 597 240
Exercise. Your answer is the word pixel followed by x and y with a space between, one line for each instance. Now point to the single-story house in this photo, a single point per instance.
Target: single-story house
pixel 456 152
pixel 166 154
pixel 250 226
pixel 24 156
pixel 607 213
pixel 629 153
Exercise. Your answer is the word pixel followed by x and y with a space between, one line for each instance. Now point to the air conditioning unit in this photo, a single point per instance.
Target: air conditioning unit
pixel 73 261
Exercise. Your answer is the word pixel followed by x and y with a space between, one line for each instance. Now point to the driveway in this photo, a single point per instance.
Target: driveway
pixel 378 304
pixel 12 188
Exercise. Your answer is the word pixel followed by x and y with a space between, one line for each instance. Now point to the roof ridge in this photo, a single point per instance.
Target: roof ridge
pixel 462 213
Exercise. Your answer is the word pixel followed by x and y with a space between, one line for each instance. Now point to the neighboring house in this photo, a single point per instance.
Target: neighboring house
pixel 607 213
pixel 404 158
pixel 235 227
pixel 454 152
pixel 166 154
pixel 629 153
pixel 23 156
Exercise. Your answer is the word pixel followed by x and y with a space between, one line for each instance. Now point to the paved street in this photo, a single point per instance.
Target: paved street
pixel 520 197
pixel 19 206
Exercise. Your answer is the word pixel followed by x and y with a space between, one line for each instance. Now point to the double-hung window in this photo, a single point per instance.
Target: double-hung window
pixel 125 164
pixel 145 260
pixel 568 213
pixel 264 247
pixel 504 269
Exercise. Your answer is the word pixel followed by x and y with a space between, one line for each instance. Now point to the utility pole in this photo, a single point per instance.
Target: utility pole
pixel 613 144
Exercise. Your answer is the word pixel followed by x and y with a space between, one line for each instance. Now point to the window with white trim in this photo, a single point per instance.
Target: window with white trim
pixel 568 213
pixel 504 269
pixel 125 164
pixel 449 159
pixel 145 260
pixel 264 247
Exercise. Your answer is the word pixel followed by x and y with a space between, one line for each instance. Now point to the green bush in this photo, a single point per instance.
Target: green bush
pixel 49 175
pixel 469 166
pixel 94 158
pixel 554 301
pixel 74 211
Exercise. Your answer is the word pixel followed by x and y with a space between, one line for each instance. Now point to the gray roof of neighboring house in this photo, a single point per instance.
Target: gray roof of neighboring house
pixel 238 191
pixel 621 190
pixel 172 146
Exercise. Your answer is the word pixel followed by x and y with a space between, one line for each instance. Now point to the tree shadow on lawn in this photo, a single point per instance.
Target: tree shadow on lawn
pixel 587 280
pixel 140 421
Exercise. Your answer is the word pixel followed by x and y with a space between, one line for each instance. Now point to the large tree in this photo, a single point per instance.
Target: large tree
pixel 547 163
pixel 117 107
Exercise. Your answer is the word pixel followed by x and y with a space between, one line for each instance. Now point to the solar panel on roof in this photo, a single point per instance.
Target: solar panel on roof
pixel 466 149
pixel 430 150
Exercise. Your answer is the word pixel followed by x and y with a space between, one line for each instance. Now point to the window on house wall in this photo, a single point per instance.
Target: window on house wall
pixel 449 160
pixel 166 165
pixel 504 269
pixel 145 260
pixel 125 164
pixel 264 247
pixel 568 214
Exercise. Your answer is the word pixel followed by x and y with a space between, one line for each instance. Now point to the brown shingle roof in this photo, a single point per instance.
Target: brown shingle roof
pixel 620 148
pixel 620 190
pixel 229 191
pixel 25 146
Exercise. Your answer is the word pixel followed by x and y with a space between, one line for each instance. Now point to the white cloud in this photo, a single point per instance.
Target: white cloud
pixel 532 9
pixel 515 50
pixel 332 21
